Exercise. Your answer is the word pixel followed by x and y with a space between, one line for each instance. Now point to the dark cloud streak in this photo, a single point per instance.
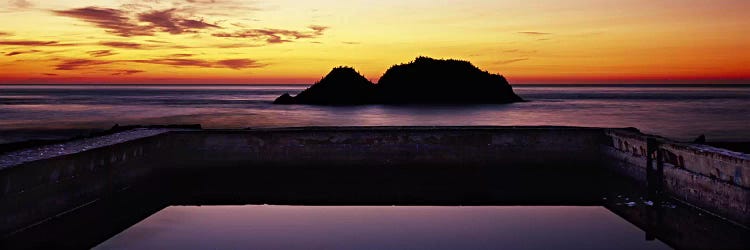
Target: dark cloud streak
pixel 14 53
pixel 272 36
pixel 122 45
pixel 127 72
pixel 76 64
pixel 101 53
pixel 169 21
pixel 32 43
pixel 240 63
pixel 119 22
pixel 510 61
pixel 112 20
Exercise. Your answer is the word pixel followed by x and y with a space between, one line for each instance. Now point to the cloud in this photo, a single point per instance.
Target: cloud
pixel 156 41
pixel 21 4
pixel 168 21
pixel 14 53
pixel 224 8
pixel 179 62
pixel 5 33
pixel 101 53
pixel 237 45
pixel 122 45
pixel 275 35
pixel 75 64
pixel 240 63
pixel 205 1
pixel 134 23
pixel 534 33
pixel 127 72
pixel 510 61
pixel 181 55
pixel 183 62
pixel 32 43
pixel 318 29
pixel 112 20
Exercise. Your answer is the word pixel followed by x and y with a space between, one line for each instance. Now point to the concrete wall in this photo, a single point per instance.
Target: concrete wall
pixel 31 191
pixel 389 146
pixel 34 191
pixel 710 178
pixel 45 186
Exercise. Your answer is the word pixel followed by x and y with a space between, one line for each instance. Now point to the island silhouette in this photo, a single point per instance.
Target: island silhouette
pixel 422 81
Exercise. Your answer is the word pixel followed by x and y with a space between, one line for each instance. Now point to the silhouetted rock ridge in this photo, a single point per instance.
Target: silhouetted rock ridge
pixel 342 86
pixel 425 80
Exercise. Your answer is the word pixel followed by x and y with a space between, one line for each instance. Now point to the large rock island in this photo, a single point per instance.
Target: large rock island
pixel 425 80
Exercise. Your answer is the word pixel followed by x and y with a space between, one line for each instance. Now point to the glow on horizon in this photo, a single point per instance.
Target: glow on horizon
pixel 285 41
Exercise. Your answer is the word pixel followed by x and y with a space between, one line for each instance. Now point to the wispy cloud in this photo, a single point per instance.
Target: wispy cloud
pixel 534 33
pixel 240 63
pixel 275 35
pixel 181 55
pixel 183 62
pixel 169 21
pixel 179 62
pixel 221 8
pixel 122 45
pixel 509 61
pixel 32 43
pixel 127 72
pixel 15 53
pixel 5 33
pixel 112 20
pixel 124 23
pixel 75 64
pixel 101 53
pixel 20 4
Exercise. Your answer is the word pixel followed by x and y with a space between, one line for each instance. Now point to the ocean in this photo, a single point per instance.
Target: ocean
pixel 680 112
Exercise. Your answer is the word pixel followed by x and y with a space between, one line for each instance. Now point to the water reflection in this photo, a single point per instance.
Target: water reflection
pixel 382 227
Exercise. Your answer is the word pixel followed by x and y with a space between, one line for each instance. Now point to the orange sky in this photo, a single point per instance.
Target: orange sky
pixel 284 41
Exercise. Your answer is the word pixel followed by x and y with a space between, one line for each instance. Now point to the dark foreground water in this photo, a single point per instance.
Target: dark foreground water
pixel 382 227
pixel 679 112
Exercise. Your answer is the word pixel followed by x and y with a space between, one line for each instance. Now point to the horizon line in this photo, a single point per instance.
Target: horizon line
pixel 708 80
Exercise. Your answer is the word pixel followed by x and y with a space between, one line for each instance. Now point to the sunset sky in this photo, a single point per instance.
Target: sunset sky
pixel 285 41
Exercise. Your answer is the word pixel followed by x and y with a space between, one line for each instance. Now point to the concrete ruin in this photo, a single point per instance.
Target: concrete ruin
pixel 520 165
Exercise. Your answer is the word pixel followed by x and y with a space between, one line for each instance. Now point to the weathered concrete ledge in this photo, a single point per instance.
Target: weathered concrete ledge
pixel 714 179
pixel 39 183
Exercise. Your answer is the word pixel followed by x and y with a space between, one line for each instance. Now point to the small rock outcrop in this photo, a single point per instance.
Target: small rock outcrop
pixel 425 80
pixel 342 86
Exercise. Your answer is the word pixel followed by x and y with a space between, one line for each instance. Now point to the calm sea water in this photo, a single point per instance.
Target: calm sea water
pixel 679 112
pixel 384 227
